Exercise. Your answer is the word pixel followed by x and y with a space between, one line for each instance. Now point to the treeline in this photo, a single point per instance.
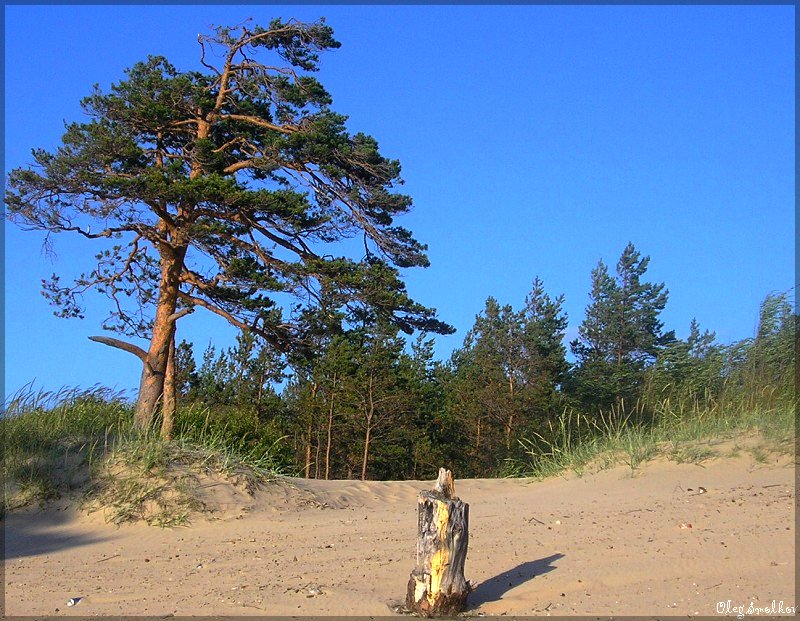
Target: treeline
pixel 365 403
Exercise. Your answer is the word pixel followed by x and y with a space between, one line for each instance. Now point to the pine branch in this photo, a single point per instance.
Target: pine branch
pixel 129 347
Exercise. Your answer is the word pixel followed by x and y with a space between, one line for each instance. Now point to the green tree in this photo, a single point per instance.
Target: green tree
pixel 226 189
pixel 621 335
pixel 242 375
pixel 488 368
pixel 376 392
pixel 186 377
pixel 432 436
pixel 316 401
pixel 546 366
pixel 214 386
pixel 688 373
pixel 506 379
pixel 352 401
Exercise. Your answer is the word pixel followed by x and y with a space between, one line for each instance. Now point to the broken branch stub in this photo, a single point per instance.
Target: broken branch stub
pixel 437 586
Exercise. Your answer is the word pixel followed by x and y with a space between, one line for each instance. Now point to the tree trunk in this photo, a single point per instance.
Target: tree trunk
pixel 151 387
pixel 437 586
pixel 317 460
pixel 366 450
pixel 510 422
pixel 310 430
pixel 170 405
pixel 260 392
pixel 328 439
pixel 370 414
pixel 307 469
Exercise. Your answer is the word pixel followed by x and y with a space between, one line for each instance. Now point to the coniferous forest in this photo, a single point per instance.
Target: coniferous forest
pixel 375 405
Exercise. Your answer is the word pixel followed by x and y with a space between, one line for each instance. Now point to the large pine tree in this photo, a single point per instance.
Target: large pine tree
pixel 224 188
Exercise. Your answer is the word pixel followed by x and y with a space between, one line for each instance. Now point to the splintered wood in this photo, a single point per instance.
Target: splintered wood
pixel 437 586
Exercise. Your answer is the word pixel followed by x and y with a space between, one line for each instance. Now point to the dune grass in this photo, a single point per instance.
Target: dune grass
pixel 145 478
pixel 83 443
pixel 577 442
pixel 52 440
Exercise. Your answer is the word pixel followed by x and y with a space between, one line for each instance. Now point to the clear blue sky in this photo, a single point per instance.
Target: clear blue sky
pixel 535 140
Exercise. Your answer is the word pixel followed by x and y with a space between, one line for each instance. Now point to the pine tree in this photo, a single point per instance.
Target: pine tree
pixel 621 334
pixel 506 379
pixel 544 325
pixel 185 369
pixel 225 189
pixel 688 372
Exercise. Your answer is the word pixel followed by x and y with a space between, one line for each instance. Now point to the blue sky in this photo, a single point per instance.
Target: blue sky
pixel 535 140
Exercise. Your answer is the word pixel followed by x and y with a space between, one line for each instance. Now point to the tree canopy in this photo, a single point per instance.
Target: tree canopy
pixel 228 188
pixel 622 332
pixel 506 379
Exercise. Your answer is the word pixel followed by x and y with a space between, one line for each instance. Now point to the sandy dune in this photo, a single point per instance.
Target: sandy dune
pixel 601 544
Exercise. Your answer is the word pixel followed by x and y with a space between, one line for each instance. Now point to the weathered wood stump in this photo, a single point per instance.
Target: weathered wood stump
pixel 437 586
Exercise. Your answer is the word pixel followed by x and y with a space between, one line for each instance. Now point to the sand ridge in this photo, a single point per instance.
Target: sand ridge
pixel 605 543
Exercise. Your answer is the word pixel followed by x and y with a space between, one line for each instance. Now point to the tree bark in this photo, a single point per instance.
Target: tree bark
pixel 317 460
pixel 330 428
pixel 310 430
pixel 151 387
pixel 365 457
pixel 510 422
pixel 170 406
pixel 307 469
pixel 370 413
pixel 437 586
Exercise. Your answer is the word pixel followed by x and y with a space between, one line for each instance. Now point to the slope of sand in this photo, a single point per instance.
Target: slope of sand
pixel 607 543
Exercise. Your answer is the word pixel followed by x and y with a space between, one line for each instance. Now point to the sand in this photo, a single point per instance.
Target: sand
pixel 600 544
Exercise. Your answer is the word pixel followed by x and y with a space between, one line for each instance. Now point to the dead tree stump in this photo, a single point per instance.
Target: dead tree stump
pixel 437 586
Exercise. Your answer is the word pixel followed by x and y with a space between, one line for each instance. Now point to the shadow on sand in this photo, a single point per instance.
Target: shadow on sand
pixel 493 589
pixel 33 533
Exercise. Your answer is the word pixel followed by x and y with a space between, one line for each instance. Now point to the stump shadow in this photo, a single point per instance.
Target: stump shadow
pixel 493 589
